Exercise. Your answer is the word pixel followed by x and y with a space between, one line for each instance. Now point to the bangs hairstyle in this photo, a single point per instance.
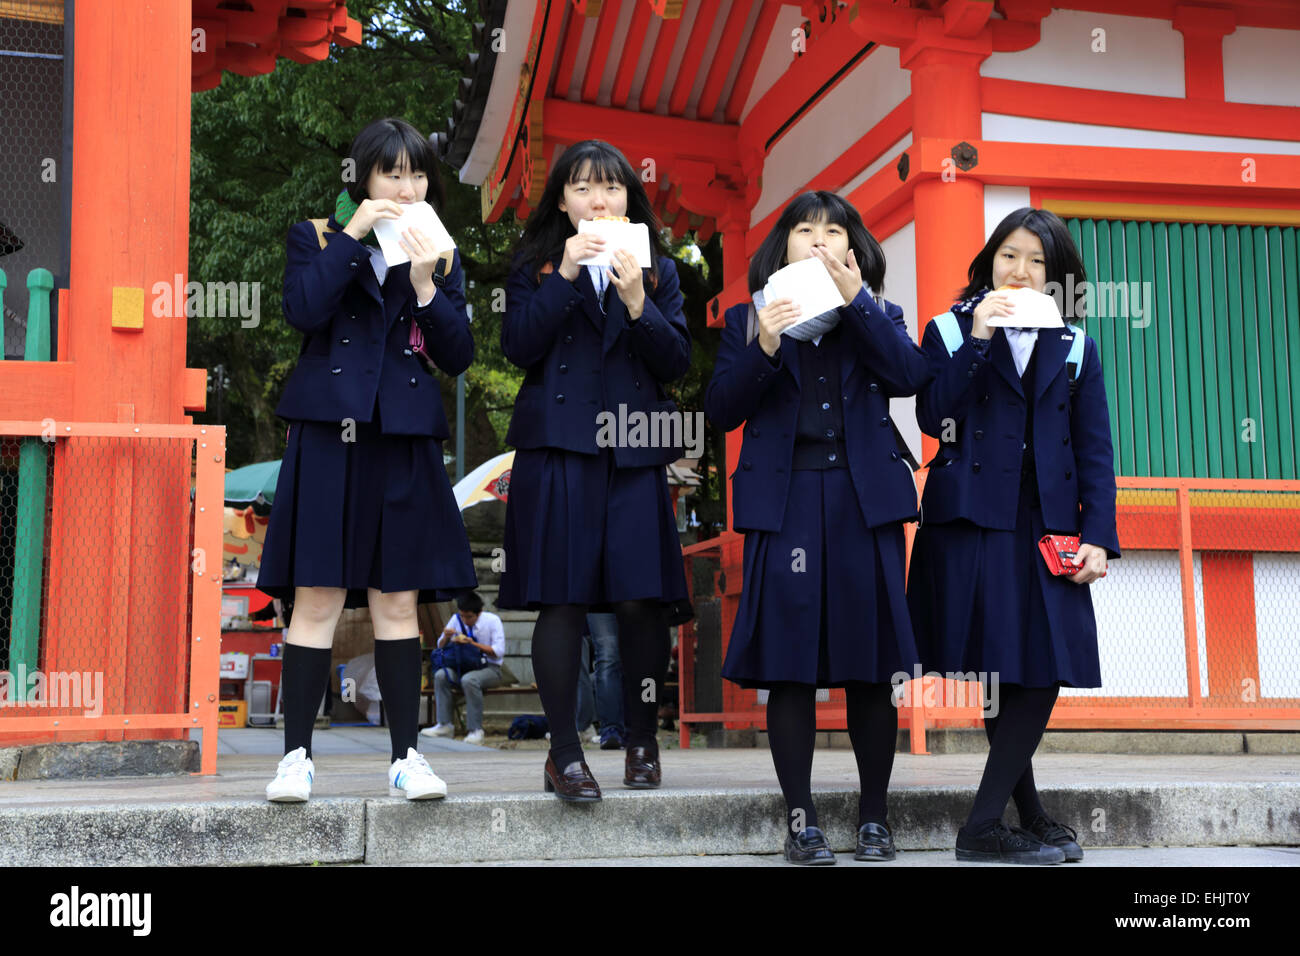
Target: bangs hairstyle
pixel 1060 259
pixel 548 228
pixel 381 146
pixel 816 207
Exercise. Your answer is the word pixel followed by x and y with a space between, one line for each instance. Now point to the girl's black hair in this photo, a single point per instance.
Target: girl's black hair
pixel 381 144
pixel 548 228
pixel 815 207
pixel 1061 258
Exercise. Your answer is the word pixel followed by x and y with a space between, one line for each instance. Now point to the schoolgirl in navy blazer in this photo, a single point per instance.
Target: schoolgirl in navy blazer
pixel 1024 451
pixel 580 360
pixel 976 474
pixel 357 343
pixel 364 514
pixel 749 388
pixel 820 492
pixel 589 522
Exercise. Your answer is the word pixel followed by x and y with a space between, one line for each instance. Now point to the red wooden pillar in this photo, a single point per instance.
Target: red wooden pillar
pixel 949 215
pixel 1203 30
pixel 119 541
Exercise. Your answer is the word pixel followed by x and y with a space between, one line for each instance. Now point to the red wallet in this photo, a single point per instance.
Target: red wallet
pixel 1059 551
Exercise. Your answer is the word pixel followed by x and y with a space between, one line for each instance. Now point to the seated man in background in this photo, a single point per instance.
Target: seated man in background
pixel 481 635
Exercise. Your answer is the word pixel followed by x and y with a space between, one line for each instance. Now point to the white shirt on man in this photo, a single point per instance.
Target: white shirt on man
pixel 487 630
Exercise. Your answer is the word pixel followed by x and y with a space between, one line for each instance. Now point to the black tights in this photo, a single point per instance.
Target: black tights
pixel 643 645
pixel 791 733
pixel 1014 735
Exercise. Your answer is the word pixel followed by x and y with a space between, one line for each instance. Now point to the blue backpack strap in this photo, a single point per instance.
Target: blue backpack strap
pixel 950 330
pixel 1074 361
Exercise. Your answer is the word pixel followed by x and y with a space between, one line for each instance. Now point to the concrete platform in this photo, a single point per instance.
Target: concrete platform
pixel 722 803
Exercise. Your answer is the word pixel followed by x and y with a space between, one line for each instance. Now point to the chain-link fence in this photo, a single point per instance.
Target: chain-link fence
pixel 110 578
pixel 33 163
pixel 1195 623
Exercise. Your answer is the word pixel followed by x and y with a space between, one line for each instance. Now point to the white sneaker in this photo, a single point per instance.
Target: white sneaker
pixel 413 778
pixel 474 737
pixel 292 783
pixel 439 730
pixel 591 734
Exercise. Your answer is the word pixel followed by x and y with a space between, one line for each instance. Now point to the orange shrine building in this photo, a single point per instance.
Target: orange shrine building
pixel 1165 133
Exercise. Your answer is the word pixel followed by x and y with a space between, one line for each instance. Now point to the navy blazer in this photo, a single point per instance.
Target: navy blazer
pixel 977 475
pixel 357 337
pixel 880 360
pixel 581 361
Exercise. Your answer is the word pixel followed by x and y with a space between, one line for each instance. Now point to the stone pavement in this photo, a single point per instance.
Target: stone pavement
pixel 720 802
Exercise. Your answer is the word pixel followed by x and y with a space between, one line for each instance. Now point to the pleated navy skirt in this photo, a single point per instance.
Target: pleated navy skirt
pixel 822 601
pixel 377 512
pixel 983 600
pixel 580 531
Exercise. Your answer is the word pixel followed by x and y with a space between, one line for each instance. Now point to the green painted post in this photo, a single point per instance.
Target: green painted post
pixel 1291 270
pixel 1210 276
pixel 1137 339
pixel 1278 372
pixel 1250 463
pixel 1118 326
pixel 29 537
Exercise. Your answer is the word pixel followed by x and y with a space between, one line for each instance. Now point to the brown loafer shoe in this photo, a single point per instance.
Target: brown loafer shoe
pixel 575 784
pixel 641 769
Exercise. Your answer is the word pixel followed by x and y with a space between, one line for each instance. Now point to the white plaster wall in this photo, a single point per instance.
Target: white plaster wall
pixel 859 101
pixel 1262 66
pixel 1139 609
pixel 1020 129
pixel 1141 55
pixel 900 288
pixel 1277 613
pixel 777 55
pixel 1000 200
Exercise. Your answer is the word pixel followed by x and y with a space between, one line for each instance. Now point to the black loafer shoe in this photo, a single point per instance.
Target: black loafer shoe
pixel 808 848
pixel 641 769
pixel 875 842
pixel 1057 834
pixel 1005 844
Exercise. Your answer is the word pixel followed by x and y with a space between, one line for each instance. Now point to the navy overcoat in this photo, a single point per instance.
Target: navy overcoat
pixel 748 388
pixel 580 362
pixel 357 337
pixel 978 403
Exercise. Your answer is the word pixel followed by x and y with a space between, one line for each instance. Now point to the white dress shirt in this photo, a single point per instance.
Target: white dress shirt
pixel 1022 345
pixel 487 630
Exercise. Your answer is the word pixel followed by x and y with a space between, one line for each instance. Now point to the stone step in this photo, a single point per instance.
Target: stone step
pixel 199 823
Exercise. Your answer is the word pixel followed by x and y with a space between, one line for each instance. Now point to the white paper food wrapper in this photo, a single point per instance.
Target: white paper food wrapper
pixel 1034 310
pixel 632 236
pixel 418 215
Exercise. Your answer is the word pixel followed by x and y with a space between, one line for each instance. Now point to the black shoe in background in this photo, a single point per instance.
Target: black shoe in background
pixel 875 842
pixel 1057 834
pixel 808 848
pixel 1003 844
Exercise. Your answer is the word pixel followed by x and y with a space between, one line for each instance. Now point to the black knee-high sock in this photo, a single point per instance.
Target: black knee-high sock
pixel 643 646
pixel 1023 717
pixel 873 730
pixel 557 654
pixel 304 676
pixel 397 669
pixel 791 733
pixel 1025 792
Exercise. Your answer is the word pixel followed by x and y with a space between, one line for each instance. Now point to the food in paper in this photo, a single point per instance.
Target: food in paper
pixel 418 215
pixel 809 286
pixel 1034 310
pixel 619 233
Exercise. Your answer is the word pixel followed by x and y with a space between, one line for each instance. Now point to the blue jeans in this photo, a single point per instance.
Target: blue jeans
pixel 604 701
